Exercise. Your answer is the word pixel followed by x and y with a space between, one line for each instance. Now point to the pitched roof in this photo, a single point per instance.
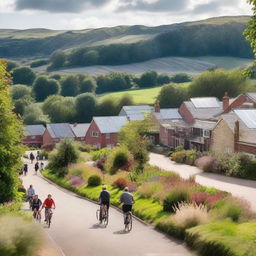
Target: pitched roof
pixel 247 134
pixel 248 116
pixel 206 125
pixel 61 130
pixel 252 95
pixel 204 108
pixel 34 130
pixel 110 124
pixel 168 113
pixel 135 113
pixel 79 129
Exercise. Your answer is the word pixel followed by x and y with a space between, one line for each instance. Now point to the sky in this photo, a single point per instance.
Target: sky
pixel 81 14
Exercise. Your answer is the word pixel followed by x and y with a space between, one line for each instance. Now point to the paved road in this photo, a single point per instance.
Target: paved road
pixel 76 231
pixel 245 189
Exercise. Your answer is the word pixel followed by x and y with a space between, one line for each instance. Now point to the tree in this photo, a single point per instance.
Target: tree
pixel 181 78
pixel 11 65
pixel 23 75
pixel 20 90
pixel 34 115
pixel 215 83
pixel 163 79
pixel 58 59
pixel 43 87
pixel 107 107
pixel 70 86
pixel 90 58
pixel 250 32
pixel 125 100
pixel 86 107
pixel 67 153
pixel 148 79
pixel 11 132
pixel 60 109
pixel 21 104
pixel 88 85
pixel 134 136
pixel 171 96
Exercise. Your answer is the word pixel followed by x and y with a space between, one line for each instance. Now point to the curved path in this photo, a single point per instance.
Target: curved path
pixel 76 231
pixel 245 189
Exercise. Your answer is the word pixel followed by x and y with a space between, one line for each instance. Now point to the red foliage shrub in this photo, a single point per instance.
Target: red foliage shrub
pixel 120 183
pixel 76 181
pixel 132 186
pixel 206 199
pixel 208 164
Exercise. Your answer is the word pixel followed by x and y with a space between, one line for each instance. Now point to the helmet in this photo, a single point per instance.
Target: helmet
pixel 126 189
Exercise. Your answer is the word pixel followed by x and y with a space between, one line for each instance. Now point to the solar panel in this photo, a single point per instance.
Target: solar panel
pixel 248 116
pixel 205 102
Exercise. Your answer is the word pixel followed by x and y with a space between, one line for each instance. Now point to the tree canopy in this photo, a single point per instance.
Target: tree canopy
pixel 11 132
pixel 23 75
pixel 70 86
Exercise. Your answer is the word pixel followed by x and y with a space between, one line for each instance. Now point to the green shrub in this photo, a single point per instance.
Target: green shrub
pixel 223 239
pixel 19 237
pixel 179 156
pixel 94 180
pixel 67 153
pixel 176 196
pixel 44 154
pixel 234 208
pixel 118 159
pixel 184 156
pixel 97 154
pixel 120 183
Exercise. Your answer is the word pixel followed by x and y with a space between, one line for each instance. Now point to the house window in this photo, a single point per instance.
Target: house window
pixel 207 133
pixel 107 135
pixel 94 134
pixel 33 137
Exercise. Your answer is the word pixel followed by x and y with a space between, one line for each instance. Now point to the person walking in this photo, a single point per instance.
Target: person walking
pixel 36 167
pixel 31 157
pixel 25 169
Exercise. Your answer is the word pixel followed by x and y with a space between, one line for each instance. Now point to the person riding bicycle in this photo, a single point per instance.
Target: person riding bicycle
pixel 48 204
pixel 30 193
pixel 104 199
pixel 127 200
pixel 25 169
pixel 36 204
pixel 31 157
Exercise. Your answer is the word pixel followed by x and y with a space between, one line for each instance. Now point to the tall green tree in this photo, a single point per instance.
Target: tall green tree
pixel 88 85
pixel 86 107
pixel 23 75
pixel 33 114
pixel 70 85
pixel 11 132
pixel 43 87
pixel 171 96
pixel 60 109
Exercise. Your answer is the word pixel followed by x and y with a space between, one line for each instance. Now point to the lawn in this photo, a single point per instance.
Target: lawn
pixel 141 96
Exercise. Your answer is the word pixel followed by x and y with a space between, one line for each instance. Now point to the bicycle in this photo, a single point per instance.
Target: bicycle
pixel 30 200
pixel 128 221
pixel 37 216
pixel 102 215
pixel 48 216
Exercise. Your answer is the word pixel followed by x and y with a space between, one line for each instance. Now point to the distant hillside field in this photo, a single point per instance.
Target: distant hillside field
pixel 222 36
pixel 168 65
pixel 140 96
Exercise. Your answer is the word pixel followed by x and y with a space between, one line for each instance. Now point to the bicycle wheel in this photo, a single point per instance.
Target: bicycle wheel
pixel 38 217
pixel 49 218
pixel 105 218
pixel 128 222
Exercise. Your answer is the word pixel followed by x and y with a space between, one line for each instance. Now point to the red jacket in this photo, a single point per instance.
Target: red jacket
pixel 48 203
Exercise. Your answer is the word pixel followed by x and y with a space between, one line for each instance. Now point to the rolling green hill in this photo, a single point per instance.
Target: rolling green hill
pixel 120 45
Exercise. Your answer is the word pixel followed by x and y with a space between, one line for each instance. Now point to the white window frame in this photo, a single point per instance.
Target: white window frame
pixel 207 133
pixel 94 134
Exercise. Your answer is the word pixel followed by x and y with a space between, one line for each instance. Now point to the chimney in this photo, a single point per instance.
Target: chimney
pixel 157 107
pixel 225 101
pixel 236 131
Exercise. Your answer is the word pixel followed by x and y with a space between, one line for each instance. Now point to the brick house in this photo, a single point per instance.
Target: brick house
pixel 235 132
pixel 79 131
pixel 245 100
pixel 55 132
pixel 103 131
pixel 34 135
pixel 193 130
